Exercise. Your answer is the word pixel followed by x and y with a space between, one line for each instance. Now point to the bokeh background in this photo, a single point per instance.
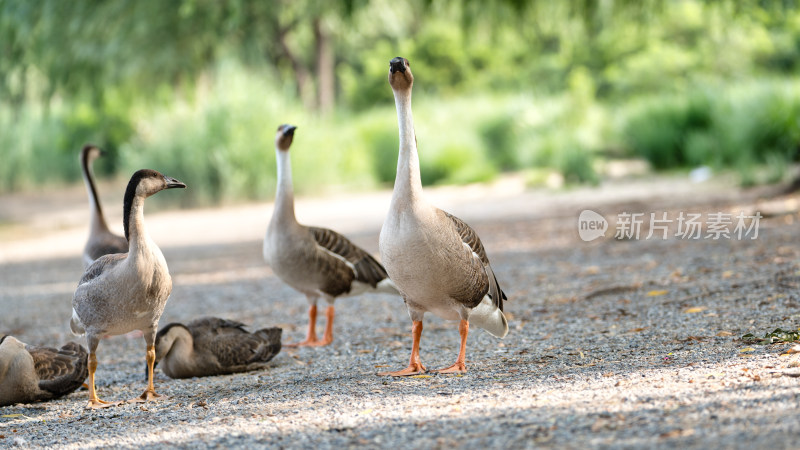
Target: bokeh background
pixel 550 90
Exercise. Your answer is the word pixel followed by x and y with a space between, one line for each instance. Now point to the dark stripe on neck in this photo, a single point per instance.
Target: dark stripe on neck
pixel 3 338
pixel 130 193
pixel 85 162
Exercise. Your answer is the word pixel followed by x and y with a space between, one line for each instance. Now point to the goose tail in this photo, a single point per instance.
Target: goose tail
pixel 489 317
pixel 75 324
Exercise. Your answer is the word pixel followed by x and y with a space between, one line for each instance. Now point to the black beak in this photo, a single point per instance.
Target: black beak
pixel 398 64
pixel 173 183
pixel 289 130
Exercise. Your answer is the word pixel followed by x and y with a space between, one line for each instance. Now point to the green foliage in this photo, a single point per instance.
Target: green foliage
pixel 575 163
pixel 499 137
pixel 197 88
pixel 739 126
pixel 667 131
pixel 379 135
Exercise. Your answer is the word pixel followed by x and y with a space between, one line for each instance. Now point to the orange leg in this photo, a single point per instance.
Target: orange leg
pixel 94 401
pixel 415 366
pixel 149 393
pixel 311 336
pixel 460 366
pixel 327 337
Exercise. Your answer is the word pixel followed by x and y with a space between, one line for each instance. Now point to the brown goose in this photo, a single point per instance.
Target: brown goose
pixel 436 260
pixel 212 346
pixel 123 292
pixel 101 240
pixel 33 374
pixel 315 261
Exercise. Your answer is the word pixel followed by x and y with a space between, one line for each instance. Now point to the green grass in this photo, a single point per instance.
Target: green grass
pixel 741 126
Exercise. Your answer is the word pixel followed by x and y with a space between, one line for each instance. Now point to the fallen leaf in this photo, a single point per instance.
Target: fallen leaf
pixel 381 365
pixel 724 333
pixel 727 274
pixel 363 350
pixel 656 293
pixel 420 376
pixel 694 309
pixel 636 330
pixel 677 433
pixel 9 416
pixel 746 350
pixel 365 412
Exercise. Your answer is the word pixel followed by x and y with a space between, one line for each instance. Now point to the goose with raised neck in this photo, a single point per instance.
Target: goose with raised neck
pixel 434 258
pixel 213 346
pixel 30 373
pixel 123 292
pixel 101 240
pixel 318 262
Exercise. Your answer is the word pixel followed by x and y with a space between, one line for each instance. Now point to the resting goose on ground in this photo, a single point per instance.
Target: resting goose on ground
pixel 32 374
pixel 123 292
pixel 315 261
pixel 436 260
pixel 212 346
pixel 101 240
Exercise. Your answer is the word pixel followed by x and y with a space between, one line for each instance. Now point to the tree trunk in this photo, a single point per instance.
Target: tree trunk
pixel 301 74
pixel 325 66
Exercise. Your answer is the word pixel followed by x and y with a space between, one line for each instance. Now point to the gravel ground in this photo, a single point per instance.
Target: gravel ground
pixel 613 343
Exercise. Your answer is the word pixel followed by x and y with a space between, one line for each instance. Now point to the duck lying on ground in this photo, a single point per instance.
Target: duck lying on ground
pixel 31 374
pixel 213 346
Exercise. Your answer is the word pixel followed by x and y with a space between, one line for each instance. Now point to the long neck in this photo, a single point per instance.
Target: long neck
pixel 284 197
pixel 407 184
pixel 97 221
pixel 135 231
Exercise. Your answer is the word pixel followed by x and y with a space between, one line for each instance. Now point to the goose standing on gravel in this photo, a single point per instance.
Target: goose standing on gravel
pixel 213 346
pixel 123 292
pixel 436 260
pixel 33 374
pixel 101 240
pixel 318 262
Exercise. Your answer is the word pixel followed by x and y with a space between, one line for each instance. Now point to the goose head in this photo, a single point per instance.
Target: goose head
pixel 91 152
pixel 147 182
pixel 283 140
pixel 168 336
pixel 400 76
pixel 7 343
pixel 172 335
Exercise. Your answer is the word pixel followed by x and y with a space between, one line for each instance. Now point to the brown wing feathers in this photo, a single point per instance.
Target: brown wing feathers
pixel 232 344
pixel 469 237
pixel 367 269
pixel 60 371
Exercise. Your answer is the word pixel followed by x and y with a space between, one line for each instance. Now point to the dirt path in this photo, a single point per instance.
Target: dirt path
pixel 613 343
